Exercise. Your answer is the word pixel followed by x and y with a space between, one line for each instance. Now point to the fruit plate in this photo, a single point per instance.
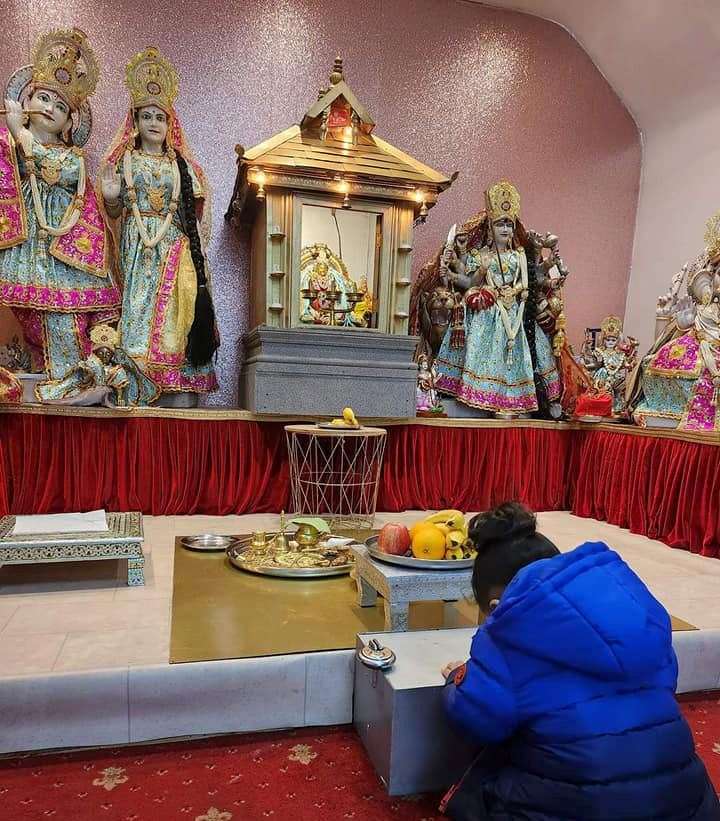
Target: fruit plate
pixel 329 426
pixel 412 562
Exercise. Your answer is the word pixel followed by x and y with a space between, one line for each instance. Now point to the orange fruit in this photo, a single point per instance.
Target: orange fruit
pixel 420 523
pixel 428 542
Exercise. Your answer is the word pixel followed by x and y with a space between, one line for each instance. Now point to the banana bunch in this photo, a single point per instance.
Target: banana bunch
pixel 452 524
pixel 349 420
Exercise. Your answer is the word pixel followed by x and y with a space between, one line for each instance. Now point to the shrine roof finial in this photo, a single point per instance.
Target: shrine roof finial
pixel 337 75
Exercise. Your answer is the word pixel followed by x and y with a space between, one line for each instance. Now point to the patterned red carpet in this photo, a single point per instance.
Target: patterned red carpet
pixel 303 775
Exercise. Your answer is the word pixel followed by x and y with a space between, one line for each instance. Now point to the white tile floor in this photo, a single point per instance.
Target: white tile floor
pixel 66 618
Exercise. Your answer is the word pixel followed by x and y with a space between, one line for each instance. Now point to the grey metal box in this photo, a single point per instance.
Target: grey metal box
pixel 318 371
pixel 399 714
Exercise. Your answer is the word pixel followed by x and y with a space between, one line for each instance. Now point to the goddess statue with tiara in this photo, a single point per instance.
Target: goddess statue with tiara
pixel 677 384
pixel 492 284
pixel 159 196
pixel 54 271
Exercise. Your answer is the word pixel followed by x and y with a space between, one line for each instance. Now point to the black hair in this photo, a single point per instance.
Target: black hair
pixel 506 540
pixel 203 340
pixel 530 325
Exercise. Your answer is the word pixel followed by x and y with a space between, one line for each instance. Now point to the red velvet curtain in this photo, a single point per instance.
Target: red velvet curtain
pixel 432 468
pixel 158 466
pixel 664 488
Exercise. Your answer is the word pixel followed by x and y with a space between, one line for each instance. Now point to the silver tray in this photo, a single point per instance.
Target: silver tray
pixel 235 556
pixel 328 426
pixel 207 542
pixel 416 564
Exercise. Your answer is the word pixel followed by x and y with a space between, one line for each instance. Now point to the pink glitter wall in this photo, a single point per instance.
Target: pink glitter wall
pixel 458 85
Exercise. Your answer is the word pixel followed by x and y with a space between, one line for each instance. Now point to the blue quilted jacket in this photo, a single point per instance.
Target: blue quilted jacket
pixel 573 678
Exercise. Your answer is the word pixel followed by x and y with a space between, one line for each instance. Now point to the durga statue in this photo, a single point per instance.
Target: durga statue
pixel 490 314
pixel 158 196
pixel 677 384
pixel 54 260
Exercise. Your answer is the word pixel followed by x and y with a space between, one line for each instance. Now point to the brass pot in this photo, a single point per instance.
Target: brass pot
pixel 307 535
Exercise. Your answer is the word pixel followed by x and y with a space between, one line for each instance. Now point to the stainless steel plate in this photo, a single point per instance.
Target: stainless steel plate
pixel 208 542
pixel 416 564
pixel 328 426
pixel 235 556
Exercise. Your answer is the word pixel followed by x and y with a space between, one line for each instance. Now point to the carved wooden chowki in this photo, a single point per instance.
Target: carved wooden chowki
pixel 399 586
pixel 123 541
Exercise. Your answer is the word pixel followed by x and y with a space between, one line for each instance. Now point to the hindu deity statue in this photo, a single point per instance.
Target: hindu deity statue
pixel 158 196
pixel 328 294
pixel 677 384
pixel 54 271
pixel 108 376
pixel 493 355
pixel 427 400
pixel 611 360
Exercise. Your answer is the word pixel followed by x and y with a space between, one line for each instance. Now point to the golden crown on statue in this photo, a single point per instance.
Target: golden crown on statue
pixel 611 326
pixel 104 336
pixel 64 62
pixel 712 235
pixel 151 80
pixel 502 200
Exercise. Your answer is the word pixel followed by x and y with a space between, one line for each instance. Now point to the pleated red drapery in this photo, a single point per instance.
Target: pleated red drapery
pixel 158 466
pixel 665 488
pixel 431 468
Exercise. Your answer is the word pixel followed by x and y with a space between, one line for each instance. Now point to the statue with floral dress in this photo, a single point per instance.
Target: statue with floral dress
pixel 497 334
pixel 158 197
pixel 677 383
pixel 54 261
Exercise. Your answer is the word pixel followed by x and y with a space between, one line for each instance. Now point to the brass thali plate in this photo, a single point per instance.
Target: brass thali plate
pixel 240 556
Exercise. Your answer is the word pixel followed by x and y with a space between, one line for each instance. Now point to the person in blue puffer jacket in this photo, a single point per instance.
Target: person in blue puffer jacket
pixel 570 688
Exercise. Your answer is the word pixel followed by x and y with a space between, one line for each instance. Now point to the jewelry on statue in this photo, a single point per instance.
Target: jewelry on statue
pixel 74 211
pixel 148 241
pixel 511 330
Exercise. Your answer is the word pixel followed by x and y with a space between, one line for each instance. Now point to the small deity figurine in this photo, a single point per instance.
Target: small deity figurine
pixel 427 403
pixel 108 376
pixel 152 185
pixel 611 361
pixel 677 384
pixel 335 298
pixel 54 271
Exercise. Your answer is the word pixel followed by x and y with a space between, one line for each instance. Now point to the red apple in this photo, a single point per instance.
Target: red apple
pixel 394 538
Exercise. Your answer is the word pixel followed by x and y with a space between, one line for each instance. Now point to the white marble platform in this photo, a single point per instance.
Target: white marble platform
pixel 75 636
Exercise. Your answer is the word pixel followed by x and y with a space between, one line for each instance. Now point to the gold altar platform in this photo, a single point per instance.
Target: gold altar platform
pixel 220 612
